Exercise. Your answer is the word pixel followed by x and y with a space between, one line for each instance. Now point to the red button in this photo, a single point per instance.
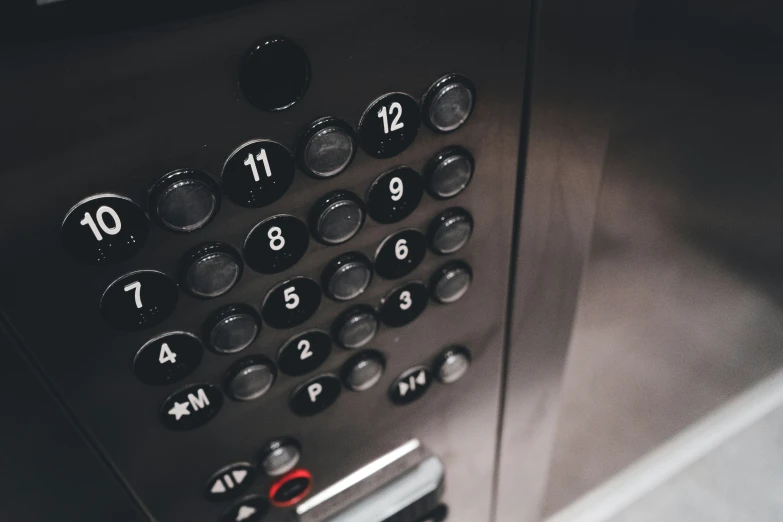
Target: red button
pixel 291 488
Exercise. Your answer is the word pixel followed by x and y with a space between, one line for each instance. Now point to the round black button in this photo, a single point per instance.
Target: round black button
pixel 274 74
pixel 210 270
pixel 280 456
pixel 291 488
pixel 184 200
pixel 355 327
pixel 191 407
pixel 452 364
pixel 232 328
pixel 315 395
pixel 250 378
pixel 139 300
pixel 411 385
pixel 168 358
pixel 250 509
pixel 337 217
pixel 229 482
pixel 291 303
pixel 326 148
pixel 394 195
pixel 448 103
pixel 449 172
pixel 450 282
pixel 304 353
pixel 450 230
pixel 347 276
pixel 363 371
pixel 404 304
pixel 389 125
pixel 400 253
pixel 258 173
pixel 104 229
pixel 276 244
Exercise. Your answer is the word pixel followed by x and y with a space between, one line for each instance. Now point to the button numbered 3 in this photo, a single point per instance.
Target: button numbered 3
pixel 258 173
pixel 276 244
pixel 389 125
pixel 404 304
pixel 291 303
pixel 139 300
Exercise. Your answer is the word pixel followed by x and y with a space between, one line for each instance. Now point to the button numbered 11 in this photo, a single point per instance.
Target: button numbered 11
pixel 258 173
pixel 276 244
pixel 139 300
pixel 291 303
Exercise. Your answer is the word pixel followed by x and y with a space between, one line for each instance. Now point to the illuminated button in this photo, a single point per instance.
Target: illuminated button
pixel 452 364
pixel 249 509
pixel 337 217
pixel 250 378
pixel 104 229
pixel 191 407
pixel 450 282
pixel 363 371
pixel 355 327
pixel 274 74
pixel 304 353
pixel 411 385
pixel 291 488
pixel 449 172
pixel 139 300
pixel 232 328
pixel 404 304
pixel 326 148
pixel 394 195
pixel 276 244
pixel 258 173
pixel 291 303
pixel 450 230
pixel 184 200
pixel 210 270
pixel 167 358
pixel 315 395
pixel 400 253
pixel 280 456
pixel 229 482
pixel 347 276
pixel 389 125
pixel 448 103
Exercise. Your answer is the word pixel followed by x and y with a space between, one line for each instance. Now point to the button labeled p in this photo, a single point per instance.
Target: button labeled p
pixel 314 390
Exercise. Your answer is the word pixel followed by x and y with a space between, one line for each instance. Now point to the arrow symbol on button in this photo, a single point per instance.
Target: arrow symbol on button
pixel 403 388
pixel 239 475
pixel 245 512
pixel 421 378
pixel 218 487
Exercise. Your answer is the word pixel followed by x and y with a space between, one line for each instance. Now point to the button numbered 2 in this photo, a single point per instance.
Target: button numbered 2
pixel 258 173
pixel 394 195
pixel 168 358
pixel 404 304
pixel 291 303
pixel 304 353
pixel 139 300
pixel 276 244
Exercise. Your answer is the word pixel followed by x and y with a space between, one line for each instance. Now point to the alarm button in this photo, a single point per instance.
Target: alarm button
pixel 168 358
pixel 104 229
pixel 276 244
pixel 404 304
pixel 394 195
pixel 291 303
pixel 249 509
pixel 191 407
pixel 229 482
pixel 274 74
pixel 291 488
pixel 304 353
pixel 258 173
pixel 389 125
pixel 411 385
pixel 139 300
pixel 315 395
pixel 400 253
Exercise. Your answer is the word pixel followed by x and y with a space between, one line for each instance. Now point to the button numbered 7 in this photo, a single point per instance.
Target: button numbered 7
pixel 139 300
pixel 258 173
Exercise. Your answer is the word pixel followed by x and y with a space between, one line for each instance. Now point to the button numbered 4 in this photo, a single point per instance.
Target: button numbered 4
pixel 139 300
pixel 258 173
pixel 291 303
pixel 276 244
pixel 168 358
pixel 394 195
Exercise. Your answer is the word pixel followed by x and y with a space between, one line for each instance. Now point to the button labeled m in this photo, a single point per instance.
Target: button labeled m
pixel 198 401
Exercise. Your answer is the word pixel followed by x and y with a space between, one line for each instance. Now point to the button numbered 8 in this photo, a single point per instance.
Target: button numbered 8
pixel 276 244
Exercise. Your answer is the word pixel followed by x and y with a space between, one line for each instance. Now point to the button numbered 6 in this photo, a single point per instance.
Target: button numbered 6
pixel 258 173
pixel 139 300
pixel 400 253
pixel 276 244
pixel 291 303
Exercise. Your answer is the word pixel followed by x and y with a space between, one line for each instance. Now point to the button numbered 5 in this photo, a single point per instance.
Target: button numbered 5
pixel 291 303
pixel 258 173
pixel 168 358
pixel 139 300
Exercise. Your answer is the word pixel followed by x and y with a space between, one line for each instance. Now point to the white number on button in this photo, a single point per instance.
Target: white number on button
pixel 166 355
pixel 395 187
pixel 401 249
pixel 396 123
pixel 137 294
pixel 304 347
pixel 291 299
pixel 276 239
pixel 99 216
pixel 405 300
pixel 251 162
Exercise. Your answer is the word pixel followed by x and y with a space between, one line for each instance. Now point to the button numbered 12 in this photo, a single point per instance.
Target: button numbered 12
pixel 276 244
pixel 291 303
pixel 139 300
pixel 304 353
pixel 404 304
pixel 400 253
pixel 258 173
pixel 168 358
pixel 389 125
pixel 394 195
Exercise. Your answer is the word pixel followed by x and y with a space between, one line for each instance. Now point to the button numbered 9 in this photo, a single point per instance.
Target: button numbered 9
pixel 404 304
pixel 258 173
pixel 394 195
pixel 276 244
pixel 291 303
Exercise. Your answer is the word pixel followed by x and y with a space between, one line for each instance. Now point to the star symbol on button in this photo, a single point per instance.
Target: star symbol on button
pixel 179 410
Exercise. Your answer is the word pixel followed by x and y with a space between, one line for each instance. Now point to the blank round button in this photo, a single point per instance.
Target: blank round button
pixel 450 230
pixel 355 327
pixel 184 200
pixel 250 378
pixel 210 270
pixel 274 74
pixel 337 217
pixel 363 371
pixel 347 276
pixel 449 102
pixel 232 328
pixel 280 456
pixel 452 364
pixel 326 148
pixel 449 172
pixel 139 300
pixel 451 281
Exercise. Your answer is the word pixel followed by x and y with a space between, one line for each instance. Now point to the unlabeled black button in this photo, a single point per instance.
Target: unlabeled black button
pixel 337 217
pixel 274 74
pixel 315 395
pixel 104 229
pixel 452 364
pixel 389 125
pixel 326 148
pixel 304 353
pixel 139 300
pixel 291 303
pixel 258 173
pixel 449 172
pixel 229 482
pixel 250 509
pixel 400 253
pixel 394 195
pixel 279 456
pixel 450 282
pixel 210 270
pixel 411 385
pixel 404 304
pixel 167 358
pixel 347 276
pixel 276 244
pixel 184 200
pixel 191 407
pixel 362 371
pixel 250 378
pixel 448 103
pixel 232 328
pixel 450 230
pixel 355 327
